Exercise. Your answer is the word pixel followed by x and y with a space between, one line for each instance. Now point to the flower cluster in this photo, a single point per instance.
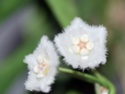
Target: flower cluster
pixel 81 45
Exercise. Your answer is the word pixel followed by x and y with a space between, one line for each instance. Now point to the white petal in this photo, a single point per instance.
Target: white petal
pixel 85 57
pixel 85 38
pixel 39 59
pixel 70 50
pixel 104 92
pixel 84 51
pixel 45 88
pixel 36 69
pixel 75 40
pixel 90 45
pixel 40 75
pixel 76 49
pixel 46 60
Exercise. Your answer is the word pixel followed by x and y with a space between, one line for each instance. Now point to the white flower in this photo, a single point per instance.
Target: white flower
pixel 83 46
pixel 42 64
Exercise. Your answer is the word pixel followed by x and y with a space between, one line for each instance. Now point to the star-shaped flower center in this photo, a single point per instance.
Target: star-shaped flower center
pixel 42 67
pixel 82 46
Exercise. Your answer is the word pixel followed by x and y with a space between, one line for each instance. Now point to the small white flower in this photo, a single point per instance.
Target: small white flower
pixel 83 46
pixel 42 64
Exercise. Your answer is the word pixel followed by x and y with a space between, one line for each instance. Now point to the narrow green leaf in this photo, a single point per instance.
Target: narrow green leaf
pixel 64 10
pixel 9 6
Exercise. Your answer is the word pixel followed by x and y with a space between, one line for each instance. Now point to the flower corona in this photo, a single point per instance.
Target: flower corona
pixel 42 67
pixel 82 46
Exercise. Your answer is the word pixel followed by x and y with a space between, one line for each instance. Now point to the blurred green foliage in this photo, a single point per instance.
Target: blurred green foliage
pixel 13 64
pixel 63 10
pixel 73 92
pixel 9 6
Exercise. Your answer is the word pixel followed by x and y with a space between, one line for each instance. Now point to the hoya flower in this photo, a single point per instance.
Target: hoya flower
pixel 83 46
pixel 42 64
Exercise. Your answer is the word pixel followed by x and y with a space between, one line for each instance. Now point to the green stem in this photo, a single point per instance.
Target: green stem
pixel 91 78
pixel 97 88
pixel 86 77
pixel 110 86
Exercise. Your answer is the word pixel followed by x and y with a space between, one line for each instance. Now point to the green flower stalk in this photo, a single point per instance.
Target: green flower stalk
pixel 96 78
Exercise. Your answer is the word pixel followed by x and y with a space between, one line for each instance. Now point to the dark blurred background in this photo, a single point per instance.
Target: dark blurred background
pixel 23 22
